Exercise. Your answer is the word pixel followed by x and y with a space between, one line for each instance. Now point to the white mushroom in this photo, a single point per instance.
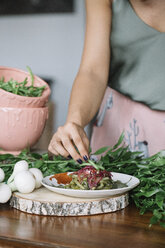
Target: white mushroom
pixel 38 176
pixel 19 166
pixel 2 175
pixel 24 182
pixel 5 193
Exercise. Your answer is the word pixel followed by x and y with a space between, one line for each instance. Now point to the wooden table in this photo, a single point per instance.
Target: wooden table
pixel 122 229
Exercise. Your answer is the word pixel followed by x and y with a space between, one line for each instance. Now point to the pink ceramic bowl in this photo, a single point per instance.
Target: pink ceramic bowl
pixel 21 128
pixel 8 99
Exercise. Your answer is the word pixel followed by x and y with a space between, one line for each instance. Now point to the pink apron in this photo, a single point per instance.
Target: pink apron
pixel 144 129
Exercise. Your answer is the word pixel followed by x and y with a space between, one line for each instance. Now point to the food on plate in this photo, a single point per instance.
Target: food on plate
pixel 87 178
pixel 62 178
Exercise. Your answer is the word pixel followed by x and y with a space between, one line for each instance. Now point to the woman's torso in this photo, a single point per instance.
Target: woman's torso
pixel 137 67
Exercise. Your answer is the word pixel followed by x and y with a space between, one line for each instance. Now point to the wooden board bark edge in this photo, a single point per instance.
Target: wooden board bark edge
pixel 70 209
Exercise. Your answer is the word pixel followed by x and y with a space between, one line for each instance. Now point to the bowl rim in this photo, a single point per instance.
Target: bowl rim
pixel 27 109
pixel 46 92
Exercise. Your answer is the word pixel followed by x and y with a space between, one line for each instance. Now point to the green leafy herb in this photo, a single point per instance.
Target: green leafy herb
pixel 31 75
pixel 150 194
pixel 21 88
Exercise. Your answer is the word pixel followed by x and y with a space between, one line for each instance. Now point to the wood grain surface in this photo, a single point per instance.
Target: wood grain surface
pixel 121 229
pixel 44 202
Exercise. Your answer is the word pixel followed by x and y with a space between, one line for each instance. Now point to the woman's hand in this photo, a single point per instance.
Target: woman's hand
pixel 68 137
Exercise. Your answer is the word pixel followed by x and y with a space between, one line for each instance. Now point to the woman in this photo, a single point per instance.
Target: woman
pixel 124 48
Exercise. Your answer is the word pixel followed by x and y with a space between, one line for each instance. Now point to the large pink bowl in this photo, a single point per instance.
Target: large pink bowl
pixel 8 99
pixel 21 128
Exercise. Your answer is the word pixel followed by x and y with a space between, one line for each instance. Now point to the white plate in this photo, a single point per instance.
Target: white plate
pixel 124 178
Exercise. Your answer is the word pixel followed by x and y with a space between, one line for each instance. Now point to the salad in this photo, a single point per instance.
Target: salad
pixel 88 178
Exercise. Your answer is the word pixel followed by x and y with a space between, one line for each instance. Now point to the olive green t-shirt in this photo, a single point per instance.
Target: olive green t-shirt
pixel 137 66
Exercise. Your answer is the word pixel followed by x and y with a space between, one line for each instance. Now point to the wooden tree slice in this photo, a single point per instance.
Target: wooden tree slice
pixel 44 202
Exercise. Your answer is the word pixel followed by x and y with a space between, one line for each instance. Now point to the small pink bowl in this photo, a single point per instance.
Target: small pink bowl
pixel 8 99
pixel 21 128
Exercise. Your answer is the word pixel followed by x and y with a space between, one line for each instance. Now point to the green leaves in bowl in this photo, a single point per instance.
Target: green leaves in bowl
pixel 21 88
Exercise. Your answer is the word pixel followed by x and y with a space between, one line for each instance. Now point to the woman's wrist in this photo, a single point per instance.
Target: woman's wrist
pixel 76 119
pixel 76 122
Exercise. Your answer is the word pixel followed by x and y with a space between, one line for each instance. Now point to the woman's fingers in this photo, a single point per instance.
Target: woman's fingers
pixel 65 148
pixel 77 140
pixel 60 149
pixel 67 139
pixel 56 147
pixel 52 150
pixel 69 146
pixel 86 142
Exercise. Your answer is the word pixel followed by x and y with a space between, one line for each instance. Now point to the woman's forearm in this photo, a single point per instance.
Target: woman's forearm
pixel 87 93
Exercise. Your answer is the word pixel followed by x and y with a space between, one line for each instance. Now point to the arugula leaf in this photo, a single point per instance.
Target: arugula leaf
pixel 119 142
pixel 101 150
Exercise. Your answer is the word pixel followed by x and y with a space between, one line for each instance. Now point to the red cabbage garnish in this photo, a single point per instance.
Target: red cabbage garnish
pixel 93 176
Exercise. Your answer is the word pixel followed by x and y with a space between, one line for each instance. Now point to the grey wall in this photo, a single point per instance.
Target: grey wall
pixel 51 45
